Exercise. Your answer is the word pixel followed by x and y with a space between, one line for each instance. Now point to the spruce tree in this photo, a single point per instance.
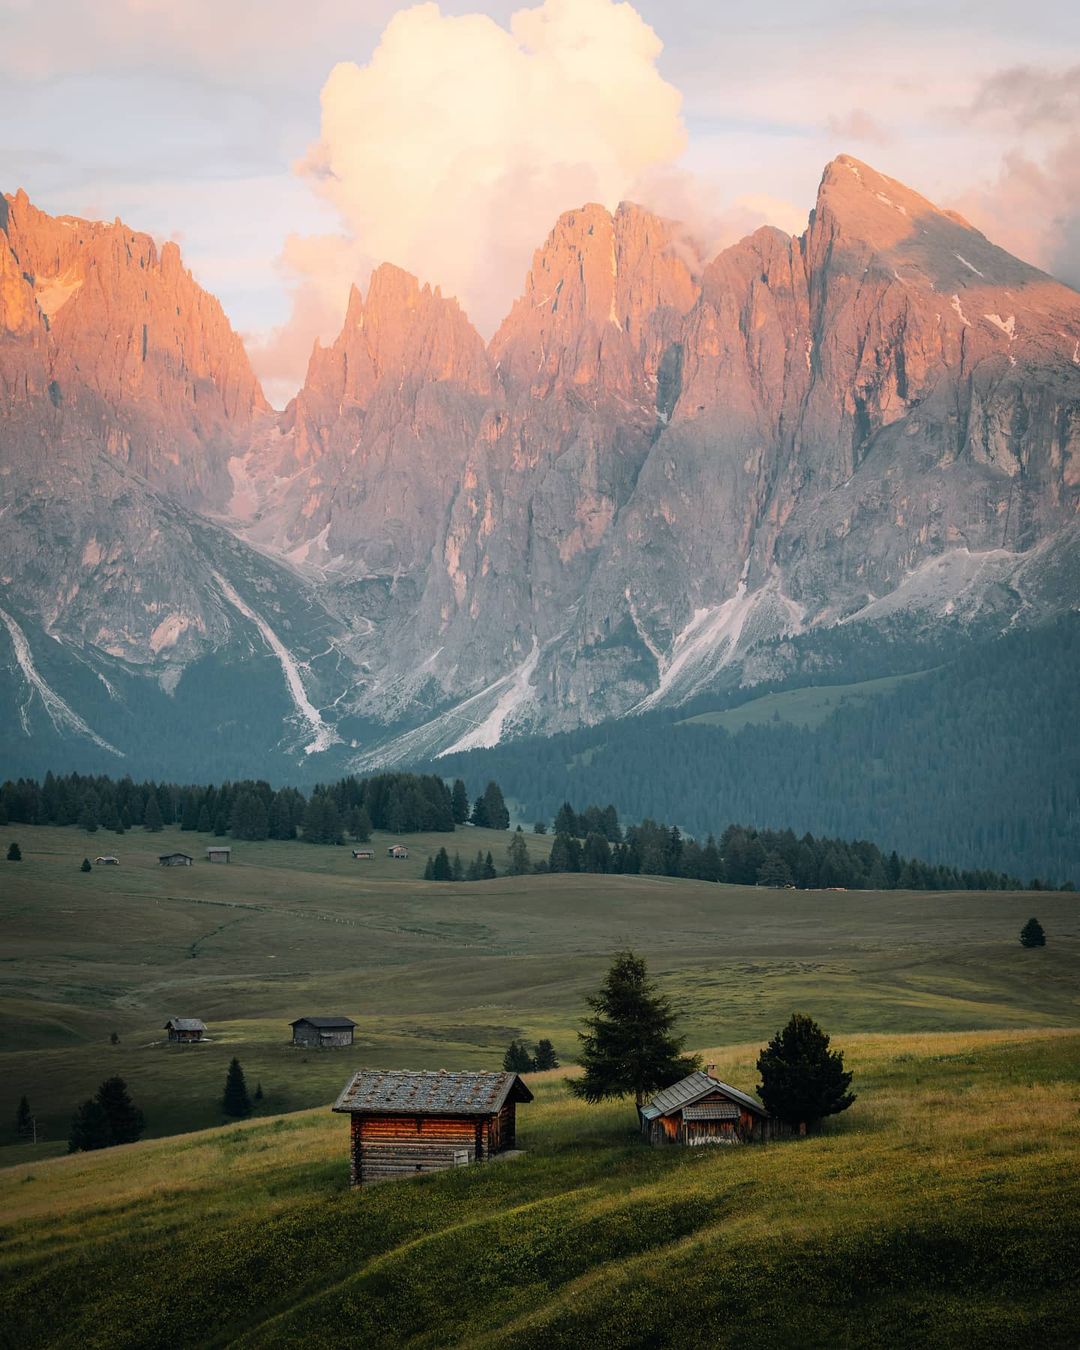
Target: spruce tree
pixel 24 1119
pixel 517 1059
pixel 459 802
pixel 258 1092
pixel 204 824
pixel 540 827
pixel 14 853
pixel 85 866
pixel 126 1121
pixel 89 1129
pixel 544 1056
pixel 566 821
pixel 1032 934
pixel 488 872
pixel 440 867
pixel 802 1080
pixel 429 869
pixel 497 814
pixel 774 871
pixel 88 813
pixel 518 854
pixel 152 815
pixel 456 869
pixel 480 812
pixel 235 1100
pixel 629 1045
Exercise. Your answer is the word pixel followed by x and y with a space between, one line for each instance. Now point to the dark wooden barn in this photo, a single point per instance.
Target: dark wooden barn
pixel 175 860
pixel 405 1122
pixel 700 1109
pixel 314 1032
pixel 185 1029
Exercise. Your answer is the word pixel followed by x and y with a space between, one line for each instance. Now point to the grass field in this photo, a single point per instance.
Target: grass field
pixel 807 707
pixel 445 975
pixel 942 1210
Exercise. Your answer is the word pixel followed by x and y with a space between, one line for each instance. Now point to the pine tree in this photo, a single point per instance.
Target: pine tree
pixel 88 813
pixel 235 1100
pixel 429 869
pixel 544 1056
pixel 802 1080
pixel 488 872
pixel 89 1129
pixel 774 871
pixel 566 821
pixel 456 870
pixel 1032 934
pixel 498 816
pixel 85 866
pixel 440 868
pixel 596 853
pixel 126 1121
pixel 480 813
pixel 517 1059
pixel 459 802
pixel 24 1119
pixel 152 815
pixel 204 824
pixel 359 824
pixel 14 853
pixel 629 1045
pixel 258 1092
pixel 518 854
pixel 540 827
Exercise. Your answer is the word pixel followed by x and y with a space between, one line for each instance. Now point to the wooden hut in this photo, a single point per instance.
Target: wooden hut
pixel 314 1032
pixel 407 1122
pixel 218 853
pixel 364 853
pixel 397 852
pixel 175 859
pixel 108 860
pixel 185 1030
pixel 700 1109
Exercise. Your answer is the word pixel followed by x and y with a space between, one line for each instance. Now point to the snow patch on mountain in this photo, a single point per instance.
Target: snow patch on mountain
pixel 516 692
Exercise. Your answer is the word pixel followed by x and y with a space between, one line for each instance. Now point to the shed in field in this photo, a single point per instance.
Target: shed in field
pixel 365 853
pixel 317 1031
pixel 407 1122
pixel 185 1030
pixel 700 1109
pixel 108 860
pixel 218 853
pixel 175 860
pixel 397 851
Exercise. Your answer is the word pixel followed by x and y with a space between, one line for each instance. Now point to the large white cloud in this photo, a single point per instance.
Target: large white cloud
pixel 454 149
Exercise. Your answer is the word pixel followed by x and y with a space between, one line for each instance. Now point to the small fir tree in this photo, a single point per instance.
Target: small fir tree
pixel 518 854
pixel 24 1119
pixel 488 872
pixel 429 869
pixel 540 827
pixel 456 869
pixel 517 1059
pixel 126 1121
pixel 629 1045
pixel 14 853
pixel 544 1056
pixel 802 1080
pixel 258 1092
pixel 89 1129
pixel 1032 934
pixel 235 1100
pixel 114 1038
pixel 85 866
pixel 440 867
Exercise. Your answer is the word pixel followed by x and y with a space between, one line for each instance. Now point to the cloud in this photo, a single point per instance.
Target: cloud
pixel 452 151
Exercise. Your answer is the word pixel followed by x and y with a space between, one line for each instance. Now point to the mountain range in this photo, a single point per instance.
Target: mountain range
pixel 662 478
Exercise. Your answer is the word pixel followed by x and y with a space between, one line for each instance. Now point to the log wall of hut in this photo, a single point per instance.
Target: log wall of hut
pixel 387 1146
pixel 313 1037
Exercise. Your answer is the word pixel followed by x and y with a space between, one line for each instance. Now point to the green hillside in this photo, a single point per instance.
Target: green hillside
pixel 807 707
pixel 445 975
pixel 943 1210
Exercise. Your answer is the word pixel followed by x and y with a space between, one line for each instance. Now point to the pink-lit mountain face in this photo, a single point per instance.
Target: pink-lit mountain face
pixel 655 475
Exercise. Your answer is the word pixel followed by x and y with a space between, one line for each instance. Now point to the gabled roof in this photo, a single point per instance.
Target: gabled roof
pixel 175 854
pixel 691 1089
pixel 325 1023
pixel 429 1092
pixel 185 1024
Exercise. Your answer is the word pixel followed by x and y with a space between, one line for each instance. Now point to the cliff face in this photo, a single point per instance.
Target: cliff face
pixel 652 473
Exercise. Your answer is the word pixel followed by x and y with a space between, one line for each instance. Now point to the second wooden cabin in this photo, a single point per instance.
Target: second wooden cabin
pixel 700 1109
pixel 405 1122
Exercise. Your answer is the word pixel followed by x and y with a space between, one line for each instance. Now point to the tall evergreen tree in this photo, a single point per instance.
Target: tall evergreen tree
pixel 498 817
pixel 517 1059
pixel 802 1080
pixel 459 802
pixel 518 855
pixel 126 1121
pixel 488 872
pixel 566 821
pixel 774 871
pixel 1032 934
pixel 89 811
pixel 152 815
pixel 544 1056
pixel 89 1128
pixel 235 1100
pixel 629 1045
pixel 440 867
pixel 24 1119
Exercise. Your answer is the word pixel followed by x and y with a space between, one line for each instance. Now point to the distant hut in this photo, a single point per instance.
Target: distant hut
pixel 175 860
pixel 408 1122
pixel 185 1030
pixel 218 853
pixel 314 1032
pixel 700 1109
pixel 108 860
pixel 397 851
pixel 365 853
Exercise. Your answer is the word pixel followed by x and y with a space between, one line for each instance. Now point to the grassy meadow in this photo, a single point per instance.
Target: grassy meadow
pixel 942 1210
pixel 444 975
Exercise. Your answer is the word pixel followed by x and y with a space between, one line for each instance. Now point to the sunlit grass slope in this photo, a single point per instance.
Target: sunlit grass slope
pixel 942 1210
pixel 445 975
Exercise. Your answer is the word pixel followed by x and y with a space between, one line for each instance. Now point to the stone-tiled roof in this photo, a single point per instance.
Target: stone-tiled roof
pixel 691 1089
pixel 185 1024
pixel 430 1092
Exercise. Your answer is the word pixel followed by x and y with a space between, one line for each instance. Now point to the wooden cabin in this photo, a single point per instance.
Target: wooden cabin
pixel 407 1122
pixel 397 851
pixel 108 860
pixel 700 1109
pixel 315 1032
pixel 185 1030
pixel 176 860
pixel 365 853
pixel 218 853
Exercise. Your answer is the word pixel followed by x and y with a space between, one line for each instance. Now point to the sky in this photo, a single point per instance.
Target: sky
pixel 290 148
